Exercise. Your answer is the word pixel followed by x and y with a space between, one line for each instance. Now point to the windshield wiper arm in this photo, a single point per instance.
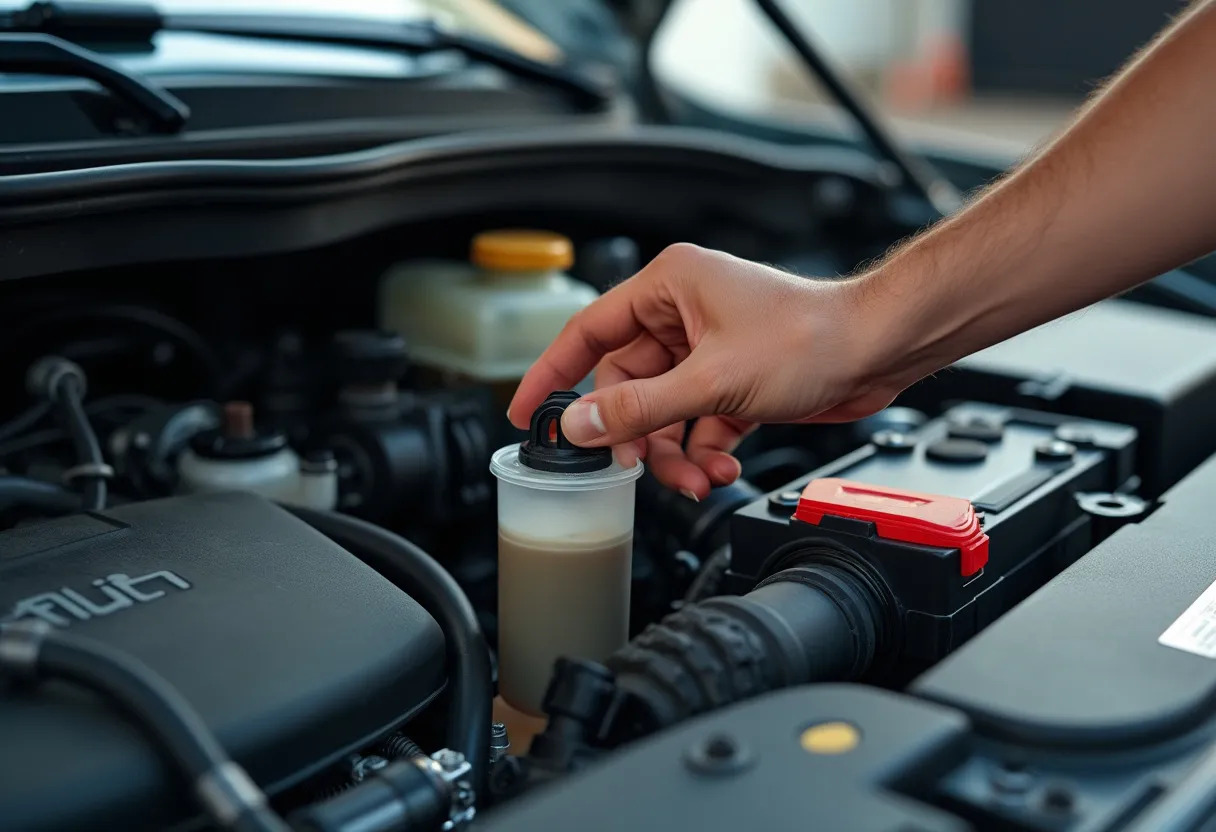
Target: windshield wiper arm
pixel 131 21
pixel 47 55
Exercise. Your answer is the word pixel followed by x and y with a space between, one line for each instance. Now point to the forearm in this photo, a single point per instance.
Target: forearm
pixel 1128 191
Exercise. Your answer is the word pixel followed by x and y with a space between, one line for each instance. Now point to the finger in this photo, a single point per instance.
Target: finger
pixel 667 461
pixel 627 455
pixel 607 324
pixel 710 445
pixel 641 358
pixel 639 407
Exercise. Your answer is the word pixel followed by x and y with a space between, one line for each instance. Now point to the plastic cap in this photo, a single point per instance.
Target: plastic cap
pixel 522 251
pixel 548 449
pixel 906 516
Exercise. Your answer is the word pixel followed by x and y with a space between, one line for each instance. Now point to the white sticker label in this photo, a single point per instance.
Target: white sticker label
pixel 1195 629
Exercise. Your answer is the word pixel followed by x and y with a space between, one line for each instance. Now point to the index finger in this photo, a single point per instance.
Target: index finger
pixel 607 324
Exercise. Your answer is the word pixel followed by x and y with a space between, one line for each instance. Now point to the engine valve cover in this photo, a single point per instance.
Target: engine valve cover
pixel 289 647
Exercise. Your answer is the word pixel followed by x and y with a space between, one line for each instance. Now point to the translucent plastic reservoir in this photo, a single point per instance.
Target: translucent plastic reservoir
pixel 490 319
pixel 564 553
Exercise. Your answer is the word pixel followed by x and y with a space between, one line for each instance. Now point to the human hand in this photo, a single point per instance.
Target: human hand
pixel 699 334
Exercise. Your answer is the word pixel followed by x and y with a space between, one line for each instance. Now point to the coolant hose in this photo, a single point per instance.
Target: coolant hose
pixel 420 575
pixel 232 800
pixel 25 492
pixel 68 398
pixel 813 623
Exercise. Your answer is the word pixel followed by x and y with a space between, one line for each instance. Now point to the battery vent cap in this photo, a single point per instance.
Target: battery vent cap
pixel 904 516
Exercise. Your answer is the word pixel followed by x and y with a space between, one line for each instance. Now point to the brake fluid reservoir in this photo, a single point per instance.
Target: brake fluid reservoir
pixel 565 543
pixel 488 321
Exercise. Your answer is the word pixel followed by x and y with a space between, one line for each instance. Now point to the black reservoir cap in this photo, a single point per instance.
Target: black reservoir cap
pixel 548 449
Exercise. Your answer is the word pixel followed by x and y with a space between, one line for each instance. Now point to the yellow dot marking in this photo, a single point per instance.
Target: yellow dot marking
pixel 830 738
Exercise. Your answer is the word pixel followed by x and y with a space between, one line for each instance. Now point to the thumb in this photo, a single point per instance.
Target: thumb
pixel 630 410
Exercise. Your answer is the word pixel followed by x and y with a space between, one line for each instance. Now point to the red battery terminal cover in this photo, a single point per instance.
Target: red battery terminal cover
pixel 904 516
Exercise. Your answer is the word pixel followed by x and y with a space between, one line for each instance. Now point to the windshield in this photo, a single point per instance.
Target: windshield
pixel 482 18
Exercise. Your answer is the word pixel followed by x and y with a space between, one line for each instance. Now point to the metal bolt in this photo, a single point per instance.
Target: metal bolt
pixel 365 766
pixel 1055 450
pixel 499 742
pixel 892 440
pixel 718 754
pixel 1059 799
pixel 448 759
pixel 1011 779
pixel 1079 435
pixel 784 499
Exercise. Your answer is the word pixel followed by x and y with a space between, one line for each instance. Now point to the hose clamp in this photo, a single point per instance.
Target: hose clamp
pixel 453 770
pixel 228 793
pixel 88 470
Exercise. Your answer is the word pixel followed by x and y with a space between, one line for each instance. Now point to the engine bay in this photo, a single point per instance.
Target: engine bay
pixel 984 607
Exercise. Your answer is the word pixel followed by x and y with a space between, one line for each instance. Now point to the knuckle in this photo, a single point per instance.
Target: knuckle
pixel 632 411
pixel 679 255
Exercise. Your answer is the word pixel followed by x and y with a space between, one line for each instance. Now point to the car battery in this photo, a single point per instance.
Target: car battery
pixel 1153 369
pixel 952 524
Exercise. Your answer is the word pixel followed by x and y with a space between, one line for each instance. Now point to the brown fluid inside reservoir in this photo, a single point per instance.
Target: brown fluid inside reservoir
pixel 567 599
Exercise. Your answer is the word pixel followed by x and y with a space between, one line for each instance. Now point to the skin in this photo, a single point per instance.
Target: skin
pixel 1126 192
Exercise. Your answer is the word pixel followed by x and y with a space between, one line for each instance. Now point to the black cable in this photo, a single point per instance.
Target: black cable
pixel 919 176
pixel 68 395
pixel 98 407
pixel 224 790
pixel 150 320
pixel 22 422
pixel 30 493
pixel 427 582
pixel 708 581
pixel 30 441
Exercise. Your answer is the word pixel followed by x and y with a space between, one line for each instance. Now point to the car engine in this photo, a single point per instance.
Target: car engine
pixel 273 558
pixel 249 574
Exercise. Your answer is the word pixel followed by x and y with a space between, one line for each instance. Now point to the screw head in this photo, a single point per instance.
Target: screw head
pixel 448 759
pixel 892 441
pixel 1055 450
pixel 784 499
pixel 1059 799
pixel 1076 434
pixel 718 754
pixel 1011 779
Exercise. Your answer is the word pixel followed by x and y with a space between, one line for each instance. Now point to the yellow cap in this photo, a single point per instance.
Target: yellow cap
pixel 830 738
pixel 522 251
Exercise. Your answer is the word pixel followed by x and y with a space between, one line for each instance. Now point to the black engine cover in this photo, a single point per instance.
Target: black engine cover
pixel 290 648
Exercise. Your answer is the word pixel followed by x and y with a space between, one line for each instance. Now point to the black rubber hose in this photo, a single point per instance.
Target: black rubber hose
pixel 68 398
pixel 47 497
pixel 708 581
pixel 151 701
pixel 150 320
pixel 24 421
pixel 430 585
pixel 807 624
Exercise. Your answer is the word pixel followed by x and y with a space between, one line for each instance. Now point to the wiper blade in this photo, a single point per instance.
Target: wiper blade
pixel 131 21
pixel 48 55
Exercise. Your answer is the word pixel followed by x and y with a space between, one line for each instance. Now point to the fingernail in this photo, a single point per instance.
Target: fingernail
pixel 738 466
pixel 582 422
pixel 626 455
pixel 690 495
